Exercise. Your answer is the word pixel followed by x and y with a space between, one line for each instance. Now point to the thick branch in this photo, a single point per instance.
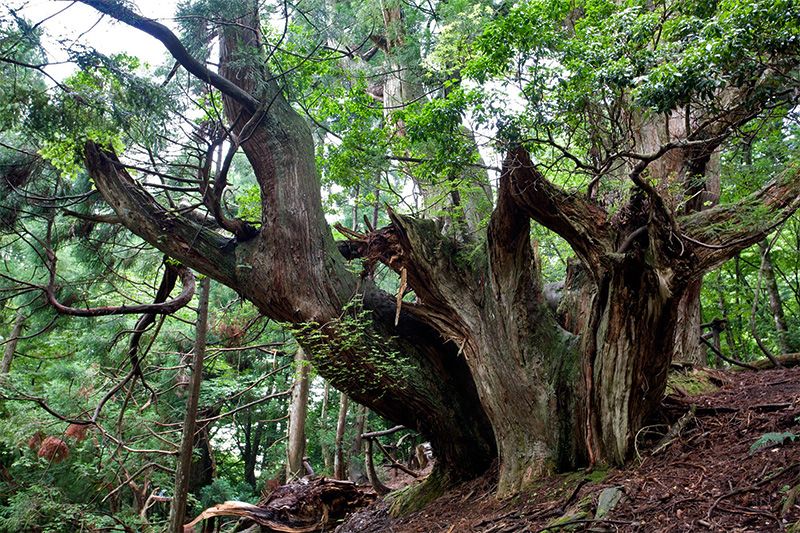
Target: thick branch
pixel 172 233
pixel 719 233
pixel 580 222
pixel 118 11
pixel 158 308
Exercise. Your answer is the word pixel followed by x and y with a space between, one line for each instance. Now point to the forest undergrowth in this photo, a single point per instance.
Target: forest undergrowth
pixel 734 466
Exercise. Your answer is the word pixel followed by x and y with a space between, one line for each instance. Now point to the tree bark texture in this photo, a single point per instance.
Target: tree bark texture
pixel 477 362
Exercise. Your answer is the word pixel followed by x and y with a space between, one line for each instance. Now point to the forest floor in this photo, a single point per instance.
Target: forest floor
pixel 710 477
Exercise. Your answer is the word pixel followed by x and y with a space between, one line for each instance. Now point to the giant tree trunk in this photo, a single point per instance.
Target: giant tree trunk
pixel 293 271
pixel 628 349
pixel 477 362
pixel 522 361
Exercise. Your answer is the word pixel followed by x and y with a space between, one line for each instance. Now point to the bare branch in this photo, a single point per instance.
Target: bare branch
pixel 118 11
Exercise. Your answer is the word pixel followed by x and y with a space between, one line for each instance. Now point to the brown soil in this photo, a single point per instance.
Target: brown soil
pixel 707 479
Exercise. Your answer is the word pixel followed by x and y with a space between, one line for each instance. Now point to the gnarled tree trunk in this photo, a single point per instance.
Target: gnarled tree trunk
pixel 477 363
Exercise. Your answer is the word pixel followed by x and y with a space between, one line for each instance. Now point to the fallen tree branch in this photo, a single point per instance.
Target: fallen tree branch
pixel 300 507
pixel 729 360
pixel 674 431
pixel 751 488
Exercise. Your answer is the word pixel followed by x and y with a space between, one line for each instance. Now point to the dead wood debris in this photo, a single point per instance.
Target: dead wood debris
pixel 305 506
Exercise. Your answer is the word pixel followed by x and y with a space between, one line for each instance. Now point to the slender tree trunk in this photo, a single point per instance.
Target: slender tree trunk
pixel 775 300
pixel 327 456
pixel 296 445
pixel 688 348
pixel 183 471
pixel 11 343
pixel 341 425
pixel 355 466
pixel 203 464
pixel 723 310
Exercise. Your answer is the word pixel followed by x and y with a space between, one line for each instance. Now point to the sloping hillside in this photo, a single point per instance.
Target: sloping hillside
pixel 729 465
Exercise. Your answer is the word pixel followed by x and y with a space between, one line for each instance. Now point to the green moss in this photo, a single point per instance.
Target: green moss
pixel 597 475
pixel 564 523
pixel 415 497
pixel 692 382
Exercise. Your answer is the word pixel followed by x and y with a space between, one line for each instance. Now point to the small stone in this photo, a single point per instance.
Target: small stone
pixel 609 497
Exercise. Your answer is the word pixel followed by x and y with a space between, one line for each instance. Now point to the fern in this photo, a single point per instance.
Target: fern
pixel 771 439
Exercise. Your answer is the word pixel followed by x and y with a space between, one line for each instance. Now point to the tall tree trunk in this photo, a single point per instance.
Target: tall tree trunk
pixel 183 470
pixel 341 425
pixel 355 465
pixel 11 343
pixel 327 456
pixel 688 348
pixel 775 300
pixel 627 352
pixel 296 445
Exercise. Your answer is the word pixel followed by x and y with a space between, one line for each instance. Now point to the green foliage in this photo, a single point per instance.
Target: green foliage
pixel 768 440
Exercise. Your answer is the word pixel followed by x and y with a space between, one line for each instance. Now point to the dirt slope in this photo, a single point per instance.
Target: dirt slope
pixel 708 478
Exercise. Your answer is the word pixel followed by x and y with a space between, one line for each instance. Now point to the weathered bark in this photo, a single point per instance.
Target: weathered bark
pixel 11 343
pixel 307 283
pixel 688 348
pixel 641 271
pixel 499 320
pixel 182 472
pixel 296 445
pixel 628 349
